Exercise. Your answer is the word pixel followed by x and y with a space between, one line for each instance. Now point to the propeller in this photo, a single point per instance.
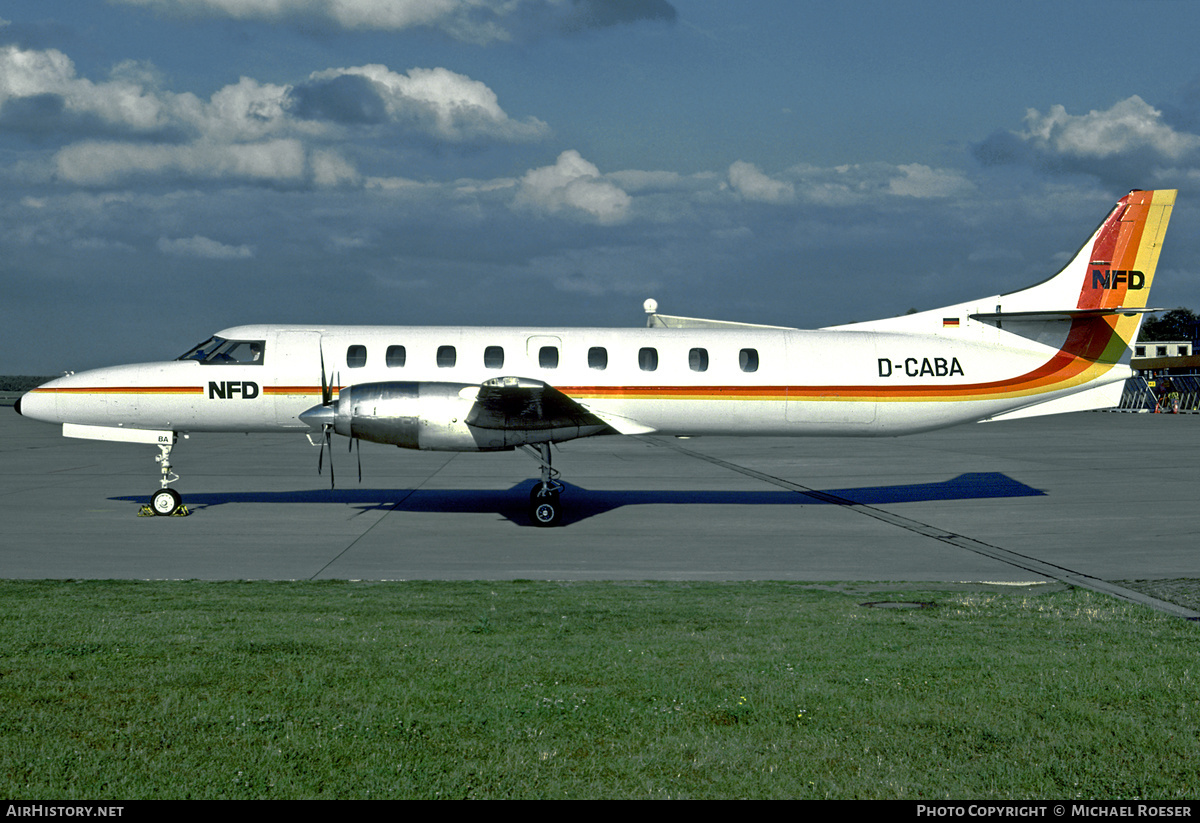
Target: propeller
pixel 324 417
pixel 327 425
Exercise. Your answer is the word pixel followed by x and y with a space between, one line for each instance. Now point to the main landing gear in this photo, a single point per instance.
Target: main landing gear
pixel 166 501
pixel 544 507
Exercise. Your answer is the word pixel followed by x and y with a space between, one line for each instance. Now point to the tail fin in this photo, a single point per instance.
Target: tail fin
pixel 1113 271
pixel 1104 290
pixel 1078 326
pixel 1108 280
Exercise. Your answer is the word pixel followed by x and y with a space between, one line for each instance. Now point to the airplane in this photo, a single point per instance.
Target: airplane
pixel 1062 345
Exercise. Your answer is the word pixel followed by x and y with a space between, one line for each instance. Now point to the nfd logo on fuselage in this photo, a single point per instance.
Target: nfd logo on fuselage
pixel 229 389
pixel 1111 279
pixel 921 367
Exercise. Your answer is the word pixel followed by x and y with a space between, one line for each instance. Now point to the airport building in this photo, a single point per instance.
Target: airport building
pixel 1167 377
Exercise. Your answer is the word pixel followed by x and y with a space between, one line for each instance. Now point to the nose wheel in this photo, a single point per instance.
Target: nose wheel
pixel 165 502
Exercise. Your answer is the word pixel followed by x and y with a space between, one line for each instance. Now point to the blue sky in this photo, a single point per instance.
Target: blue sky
pixel 172 167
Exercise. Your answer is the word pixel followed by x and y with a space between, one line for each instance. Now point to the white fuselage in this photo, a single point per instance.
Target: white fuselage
pixel 750 381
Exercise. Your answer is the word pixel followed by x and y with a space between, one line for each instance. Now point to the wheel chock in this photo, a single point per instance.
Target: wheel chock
pixel 146 511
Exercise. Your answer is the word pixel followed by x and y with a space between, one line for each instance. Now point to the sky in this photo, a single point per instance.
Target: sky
pixel 169 168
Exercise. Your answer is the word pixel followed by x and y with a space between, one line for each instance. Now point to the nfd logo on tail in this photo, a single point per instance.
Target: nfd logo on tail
pixel 1114 278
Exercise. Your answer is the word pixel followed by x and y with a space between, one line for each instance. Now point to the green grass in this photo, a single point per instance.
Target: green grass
pixel 125 690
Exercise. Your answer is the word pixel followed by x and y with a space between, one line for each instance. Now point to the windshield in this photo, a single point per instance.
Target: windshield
pixel 219 350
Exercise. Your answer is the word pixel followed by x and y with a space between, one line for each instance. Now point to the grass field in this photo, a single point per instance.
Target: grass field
pixel 126 690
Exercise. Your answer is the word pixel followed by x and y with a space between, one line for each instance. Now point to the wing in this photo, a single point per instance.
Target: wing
pixel 530 411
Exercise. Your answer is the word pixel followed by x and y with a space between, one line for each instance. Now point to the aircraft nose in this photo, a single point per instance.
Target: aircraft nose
pixel 38 404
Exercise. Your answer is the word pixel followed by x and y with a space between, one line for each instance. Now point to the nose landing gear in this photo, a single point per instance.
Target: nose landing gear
pixel 166 501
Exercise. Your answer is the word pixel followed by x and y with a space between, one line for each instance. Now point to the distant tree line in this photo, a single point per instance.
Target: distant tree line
pixel 1176 324
pixel 20 382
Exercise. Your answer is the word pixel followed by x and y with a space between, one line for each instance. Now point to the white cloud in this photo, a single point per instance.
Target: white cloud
pixel 920 181
pixel 251 131
pixel 24 72
pixel 104 163
pixel 752 184
pixel 572 185
pixel 469 20
pixel 203 247
pixel 438 102
pixel 329 169
pixel 1130 125
pixel 48 79
pixel 472 21
pixel 858 183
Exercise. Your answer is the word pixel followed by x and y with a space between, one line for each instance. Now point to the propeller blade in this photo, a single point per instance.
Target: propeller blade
pixel 329 443
pixel 326 444
pixel 326 391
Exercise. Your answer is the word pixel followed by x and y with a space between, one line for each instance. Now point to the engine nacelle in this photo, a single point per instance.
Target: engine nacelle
pixel 501 413
pixel 411 415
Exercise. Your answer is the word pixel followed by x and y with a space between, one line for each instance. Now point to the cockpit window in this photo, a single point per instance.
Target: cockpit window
pixel 203 350
pixel 217 350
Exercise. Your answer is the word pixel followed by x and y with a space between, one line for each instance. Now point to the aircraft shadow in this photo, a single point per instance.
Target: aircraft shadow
pixel 581 503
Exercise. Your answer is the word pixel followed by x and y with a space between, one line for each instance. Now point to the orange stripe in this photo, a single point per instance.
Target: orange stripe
pixel 124 390
pixel 297 389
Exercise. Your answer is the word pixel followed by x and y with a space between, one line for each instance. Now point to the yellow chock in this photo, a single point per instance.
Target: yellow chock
pixel 146 511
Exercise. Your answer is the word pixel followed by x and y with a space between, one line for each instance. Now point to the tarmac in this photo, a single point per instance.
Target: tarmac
pixel 1086 499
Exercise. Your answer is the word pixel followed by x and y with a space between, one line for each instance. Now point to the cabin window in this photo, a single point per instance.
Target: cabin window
pixel 395 357
pixel 648 359
pixel 548 357
pixel 698 359
pixel 356 357
pixel 748 360
pixel 447 356
pixel 598 358
pixel 493 357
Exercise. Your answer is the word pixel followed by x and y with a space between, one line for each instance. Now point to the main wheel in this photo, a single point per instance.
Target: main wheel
pixel 165 501
pixel 545 510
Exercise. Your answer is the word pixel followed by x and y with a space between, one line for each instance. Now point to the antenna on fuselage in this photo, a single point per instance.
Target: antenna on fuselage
pixel 651 309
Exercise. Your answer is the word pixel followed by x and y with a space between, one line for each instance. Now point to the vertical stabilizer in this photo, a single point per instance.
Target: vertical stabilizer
pixel 1114 269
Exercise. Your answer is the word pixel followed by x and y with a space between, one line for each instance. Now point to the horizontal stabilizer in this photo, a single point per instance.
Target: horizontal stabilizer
pixel 1062 314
